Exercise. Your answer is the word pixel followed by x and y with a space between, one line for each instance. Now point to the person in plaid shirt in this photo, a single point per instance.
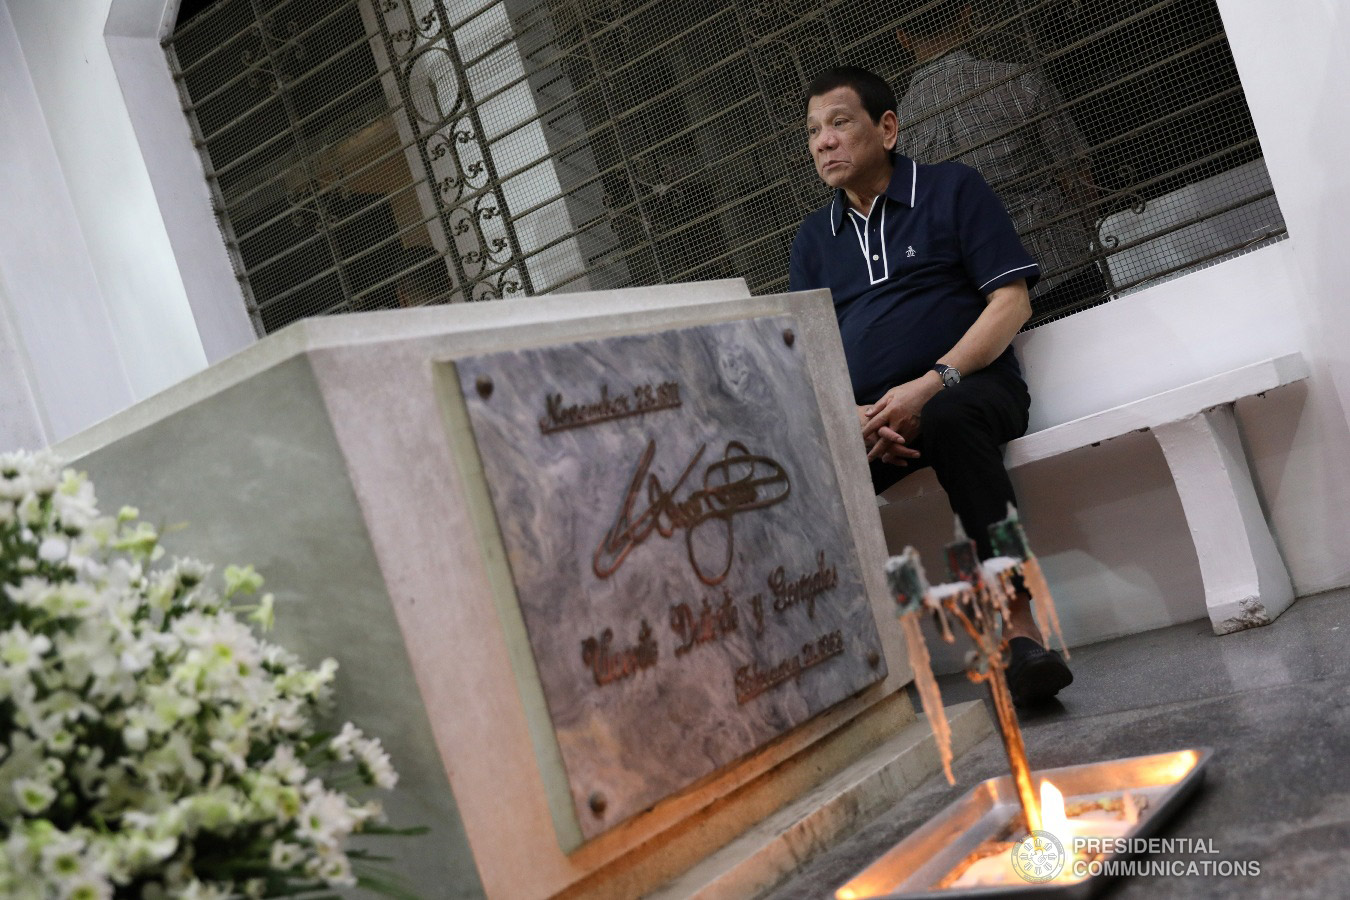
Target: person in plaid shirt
pixel 1009 124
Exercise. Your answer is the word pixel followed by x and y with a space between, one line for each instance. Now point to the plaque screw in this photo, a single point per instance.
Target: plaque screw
pixel 484 385
pixel 874 659
pixel 788 337
pixel 598 804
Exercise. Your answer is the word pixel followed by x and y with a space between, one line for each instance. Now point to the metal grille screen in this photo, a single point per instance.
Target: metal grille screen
pixel 383 153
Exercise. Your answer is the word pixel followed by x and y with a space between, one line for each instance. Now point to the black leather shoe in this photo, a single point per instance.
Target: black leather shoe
pixel 1034 673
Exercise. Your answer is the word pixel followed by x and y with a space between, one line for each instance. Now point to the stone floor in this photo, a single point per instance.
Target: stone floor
pixel 1273 703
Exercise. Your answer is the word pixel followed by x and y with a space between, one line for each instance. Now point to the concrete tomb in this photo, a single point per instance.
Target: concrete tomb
pixel 604 571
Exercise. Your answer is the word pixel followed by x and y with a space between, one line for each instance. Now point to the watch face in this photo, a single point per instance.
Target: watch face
pixel 950 376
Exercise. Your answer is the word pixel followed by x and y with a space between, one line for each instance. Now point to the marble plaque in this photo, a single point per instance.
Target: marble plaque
pixel 679 549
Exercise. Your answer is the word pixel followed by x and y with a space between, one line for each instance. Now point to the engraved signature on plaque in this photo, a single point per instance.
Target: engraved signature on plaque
pixel 751 680
pixel 708 625
pixel 560 415
pixel 608 666
pixel 788 592
pixel 738 482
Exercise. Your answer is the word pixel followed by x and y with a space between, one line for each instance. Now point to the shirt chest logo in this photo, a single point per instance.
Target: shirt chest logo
pixel 909 251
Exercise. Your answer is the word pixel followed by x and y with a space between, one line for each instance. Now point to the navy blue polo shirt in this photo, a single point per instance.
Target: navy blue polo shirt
pixel 909 279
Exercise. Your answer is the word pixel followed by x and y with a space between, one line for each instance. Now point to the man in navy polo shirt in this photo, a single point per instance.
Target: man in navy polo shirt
pixel 930 285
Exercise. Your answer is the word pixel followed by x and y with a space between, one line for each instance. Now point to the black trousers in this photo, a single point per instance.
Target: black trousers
pixel 962 431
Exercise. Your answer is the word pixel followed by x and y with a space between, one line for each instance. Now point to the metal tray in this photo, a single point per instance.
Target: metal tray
pixel 912 867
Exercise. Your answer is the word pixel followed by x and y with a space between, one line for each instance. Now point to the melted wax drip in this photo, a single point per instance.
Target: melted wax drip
pixel 1042 603
pixel 1010 539
pixel 909 585
pixel 922 664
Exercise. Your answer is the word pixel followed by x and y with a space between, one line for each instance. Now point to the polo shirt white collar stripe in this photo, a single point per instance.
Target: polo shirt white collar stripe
pixel 1009 272
pixel 862 236
pixel 865 239
pixel 914 184
pixel 885 258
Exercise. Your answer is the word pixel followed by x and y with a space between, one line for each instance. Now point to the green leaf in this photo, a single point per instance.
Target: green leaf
pixel 414 831
pixel 391 885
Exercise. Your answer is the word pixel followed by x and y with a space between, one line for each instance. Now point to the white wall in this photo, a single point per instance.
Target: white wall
pixel 1294 66
pixel 183 198
pixel 62 370
pixel 21 423
pixel 94 281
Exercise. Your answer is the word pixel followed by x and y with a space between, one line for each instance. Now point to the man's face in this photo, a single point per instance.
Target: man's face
pixel 849 149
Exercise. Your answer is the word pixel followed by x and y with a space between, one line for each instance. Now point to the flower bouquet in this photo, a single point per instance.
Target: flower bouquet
pixel 151 744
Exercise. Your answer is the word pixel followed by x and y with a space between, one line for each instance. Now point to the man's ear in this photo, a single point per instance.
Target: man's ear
pixel 890 129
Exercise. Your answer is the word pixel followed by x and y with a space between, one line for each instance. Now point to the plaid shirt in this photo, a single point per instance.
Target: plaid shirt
pixel 1007 124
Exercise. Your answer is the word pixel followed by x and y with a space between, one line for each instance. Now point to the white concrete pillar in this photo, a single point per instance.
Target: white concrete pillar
pixel 1246 583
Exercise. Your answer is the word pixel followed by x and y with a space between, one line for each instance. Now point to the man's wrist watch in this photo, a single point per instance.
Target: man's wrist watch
pixel 950 374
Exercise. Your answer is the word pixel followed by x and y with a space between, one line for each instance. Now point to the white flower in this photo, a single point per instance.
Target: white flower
pixel 136 656
pixel 286 856
pixel 285 716
pixel 169 706
pixel 174 759
pixel 286 765
pixel 88 888
pixel 142 541
pixel 51 768
pixel 74 501
pixel 88 655
pixel 197 890
pixel 343 746
pixel 66 707
pixel 278 658
pixel 370 811
pixel 265 614
pixel 375 763
pixel 69 862
pixel 231 752
pixel 88 772
pixel 21 652
pixel 143 850
pixel 213 811
pixel 61 741
pixel 241 580
pixel 326 820
pixel 57 600
pixel 333 867
pixel 53 549
pixel 141 704
pixel 136 738
pixel 33 795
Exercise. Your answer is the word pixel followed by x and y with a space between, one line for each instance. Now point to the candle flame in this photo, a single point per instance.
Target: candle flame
pixel 1182 765
pixel 1054 818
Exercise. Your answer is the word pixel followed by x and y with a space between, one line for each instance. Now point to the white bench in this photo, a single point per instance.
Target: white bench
pixel 1245 580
